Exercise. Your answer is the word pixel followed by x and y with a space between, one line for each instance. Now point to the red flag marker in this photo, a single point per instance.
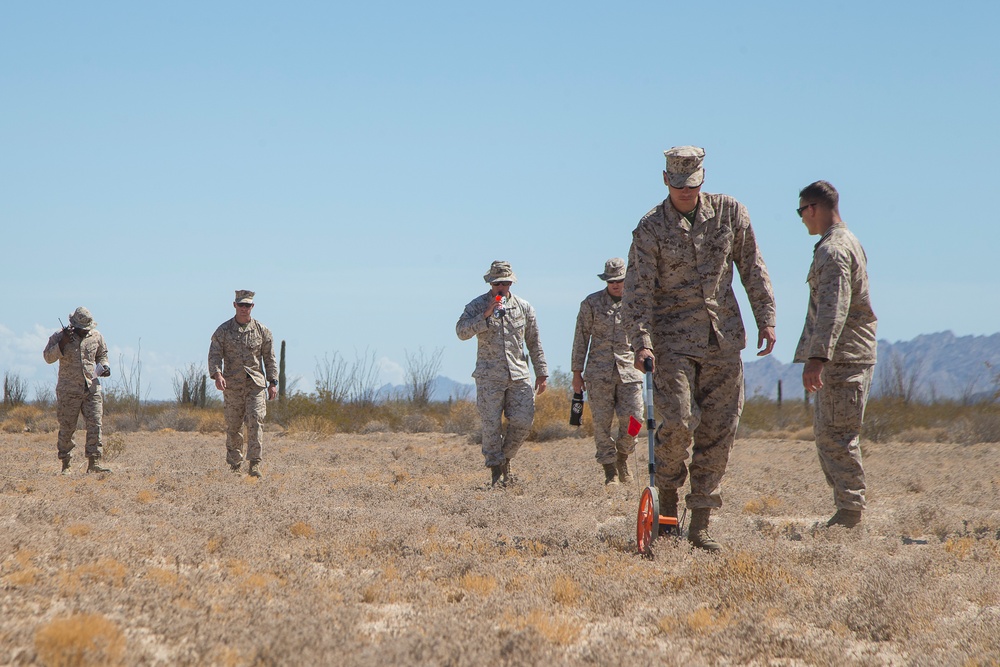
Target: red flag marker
pixel 634 426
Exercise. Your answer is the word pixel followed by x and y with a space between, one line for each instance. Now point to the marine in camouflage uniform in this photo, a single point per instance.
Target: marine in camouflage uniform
pixel 838 348
pixel 240 348
pixel 83 358
pixel 603 365
pixel 680 303
pixel 502 329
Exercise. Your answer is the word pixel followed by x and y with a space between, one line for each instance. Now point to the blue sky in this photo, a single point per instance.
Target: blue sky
pixel 361 165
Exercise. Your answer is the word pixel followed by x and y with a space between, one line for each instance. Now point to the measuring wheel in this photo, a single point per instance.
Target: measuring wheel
pixel 647 525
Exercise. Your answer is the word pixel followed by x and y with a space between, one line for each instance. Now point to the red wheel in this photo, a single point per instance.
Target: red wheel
pixel 647 525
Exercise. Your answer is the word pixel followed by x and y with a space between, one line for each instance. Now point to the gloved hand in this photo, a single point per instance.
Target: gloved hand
pixel 107 372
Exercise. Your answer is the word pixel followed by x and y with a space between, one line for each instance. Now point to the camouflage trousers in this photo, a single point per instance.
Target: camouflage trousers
pixel 495 399
pixel 698 402
pixel 838 414
pixel 608 398
pixel 70 402
pixel 244 403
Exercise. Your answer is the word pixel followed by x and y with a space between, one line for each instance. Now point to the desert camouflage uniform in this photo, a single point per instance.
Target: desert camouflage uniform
pixel 613 383
pixel 503 384
pixel 77 390
pixel 840 327
pixel 240 351
pixel 680 304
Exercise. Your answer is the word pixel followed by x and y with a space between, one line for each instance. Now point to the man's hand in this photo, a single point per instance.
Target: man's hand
pixel 812 375
pixel 272 392
pixel 540 384
pixel 640 359
pixel 107 372
pixel 578 383
pixel 220 382
pixel 766 335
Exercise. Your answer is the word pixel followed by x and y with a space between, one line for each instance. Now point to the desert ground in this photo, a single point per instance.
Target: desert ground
pixel 391 549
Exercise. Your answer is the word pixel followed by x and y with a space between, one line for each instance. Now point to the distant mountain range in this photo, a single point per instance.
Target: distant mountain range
pixel 929 367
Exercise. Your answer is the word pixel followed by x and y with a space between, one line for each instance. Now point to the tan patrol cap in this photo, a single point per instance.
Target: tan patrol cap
pixel 684 166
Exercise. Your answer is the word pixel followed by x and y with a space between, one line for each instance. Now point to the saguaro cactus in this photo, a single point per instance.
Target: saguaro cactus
pixel 281 374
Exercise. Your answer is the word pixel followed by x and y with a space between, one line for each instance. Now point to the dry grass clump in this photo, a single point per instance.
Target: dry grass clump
pixel 312 425
pixel 27 418
pixel 78 640
pixel 301 529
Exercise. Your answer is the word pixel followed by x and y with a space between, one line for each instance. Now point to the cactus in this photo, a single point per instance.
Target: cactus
pixel 281 374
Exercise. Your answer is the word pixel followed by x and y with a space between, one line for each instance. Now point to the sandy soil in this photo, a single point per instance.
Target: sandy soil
pixel 392 549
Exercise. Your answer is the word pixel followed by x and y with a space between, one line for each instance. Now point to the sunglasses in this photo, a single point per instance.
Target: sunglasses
pixel 244 305
pixel 615 282
pixel 800 210
pixel 504 283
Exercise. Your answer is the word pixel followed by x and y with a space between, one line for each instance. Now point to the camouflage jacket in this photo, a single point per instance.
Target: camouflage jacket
pixel 679 285
pixel 599 327
pixel 238 350
pixel 76 362
pixel 502 340
pixel 840 323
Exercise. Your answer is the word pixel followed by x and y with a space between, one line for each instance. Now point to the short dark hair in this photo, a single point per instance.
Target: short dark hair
pixel 821 192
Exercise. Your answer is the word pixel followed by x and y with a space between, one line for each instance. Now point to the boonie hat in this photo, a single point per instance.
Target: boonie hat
pixel 500 272
pixel 614 269
pixel 82 319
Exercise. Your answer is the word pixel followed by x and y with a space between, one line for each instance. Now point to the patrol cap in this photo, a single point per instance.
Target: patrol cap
pixel 614 269
pixel 82 319
pixel 500 272
pixel 684 166
pixel 244 296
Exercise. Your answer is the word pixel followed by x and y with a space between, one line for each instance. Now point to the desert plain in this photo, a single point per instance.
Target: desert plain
pixel 392 549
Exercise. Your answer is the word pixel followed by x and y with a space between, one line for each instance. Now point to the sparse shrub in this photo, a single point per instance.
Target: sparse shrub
pixel 419 423
pixel 552 417
pixel 114 445
pixel 311 425
pixel 462 418
pixel 374 426
pixel 211 422
pixel 15 390
pixel 80 639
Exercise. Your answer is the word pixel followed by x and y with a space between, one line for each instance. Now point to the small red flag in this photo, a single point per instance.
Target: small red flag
pixel 634 425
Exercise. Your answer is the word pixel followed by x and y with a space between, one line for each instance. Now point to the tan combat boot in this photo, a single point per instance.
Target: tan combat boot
pixel 845 518
pixel 65 467
pixel 624 476
pixel 497 473
pixel 698 531
pixel 94 467
pixel 255 470
pixel 610 474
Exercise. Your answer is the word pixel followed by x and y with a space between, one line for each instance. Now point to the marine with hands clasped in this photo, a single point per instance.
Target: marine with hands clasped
pixel 680 304
pixel 503 325
pixel 83 359
pixel 603 366
pixel 240 349
pixel 838 347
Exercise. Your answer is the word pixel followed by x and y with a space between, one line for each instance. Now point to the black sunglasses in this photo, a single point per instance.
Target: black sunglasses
pixel 244 305
pixel 799 210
